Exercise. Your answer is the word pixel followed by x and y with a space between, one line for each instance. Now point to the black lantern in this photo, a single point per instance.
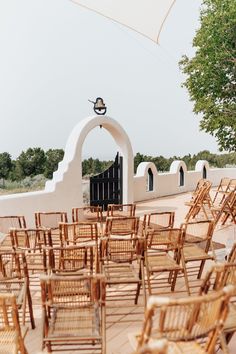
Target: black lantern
pixel 99 106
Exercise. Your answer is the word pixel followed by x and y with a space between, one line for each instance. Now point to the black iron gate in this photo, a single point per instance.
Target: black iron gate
pixel 106 188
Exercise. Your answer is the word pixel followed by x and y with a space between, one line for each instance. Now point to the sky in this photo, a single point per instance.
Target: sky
pixel 55 55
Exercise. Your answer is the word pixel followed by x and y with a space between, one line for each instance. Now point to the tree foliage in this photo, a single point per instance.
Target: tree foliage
pixel 94 166
pixel 211 73
pixel 31 162
pixel 35 162
pixel 53 157
pixel 5 165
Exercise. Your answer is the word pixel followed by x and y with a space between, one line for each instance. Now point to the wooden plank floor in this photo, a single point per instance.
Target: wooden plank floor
pixel 117 334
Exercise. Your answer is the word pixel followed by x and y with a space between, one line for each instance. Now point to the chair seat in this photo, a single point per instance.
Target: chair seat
pixel 9 340
pixel 194 253
pixel 14 286
pixel 117 273
pixel 74 322
pixel 181 347
pixel 185 348
pixel 162 262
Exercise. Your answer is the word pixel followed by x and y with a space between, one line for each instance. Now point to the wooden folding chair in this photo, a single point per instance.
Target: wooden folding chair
pixel 121 226
pixel 221 190
pixel 51 220
pixel 14 278
pixel 122 264
pixel 200 202
pixel 32 241
pixel 119 210
pixel 164 253
pixel 197 245
pixel 6 222
pixel 11 333
pixel 227 209
pixel 68 260
pixel 73 313
pixel 81 234
pixel 190 325
pixel 216 278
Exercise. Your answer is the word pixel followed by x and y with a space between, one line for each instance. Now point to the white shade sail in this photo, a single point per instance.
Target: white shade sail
pixel 144 16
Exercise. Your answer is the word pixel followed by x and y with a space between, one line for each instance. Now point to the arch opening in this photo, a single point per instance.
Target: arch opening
pixel 150 180
pixel 181 176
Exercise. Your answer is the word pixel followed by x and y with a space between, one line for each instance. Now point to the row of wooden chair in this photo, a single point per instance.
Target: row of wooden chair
pixel 122 248
pixel 220 208
pixel 193 324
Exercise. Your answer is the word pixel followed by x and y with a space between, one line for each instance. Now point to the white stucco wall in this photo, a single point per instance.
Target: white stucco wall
pixel 64 191
pixel 168 183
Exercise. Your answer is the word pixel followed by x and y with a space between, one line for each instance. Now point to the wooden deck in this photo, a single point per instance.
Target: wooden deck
pixel 118 333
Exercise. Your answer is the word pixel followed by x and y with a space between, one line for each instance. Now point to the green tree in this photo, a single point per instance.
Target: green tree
pixel 31 162
pixel 53 157
pixel 138 158
pixel 5 165
pixel 211 73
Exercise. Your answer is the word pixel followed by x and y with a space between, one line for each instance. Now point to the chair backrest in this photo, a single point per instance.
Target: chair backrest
pixel 120 210
pixel 50 219
pixel 197 231
pixel 63 260
pixel 218 276
pixel 11 340
pixel 186 319
pixel 118 250
pixel 6 222
pixel 31 239
pixel 164 239
pixel 121 226
pixel 159 220
pixel 72 291
pixel 78 232
pixel 13 264
pixel 88 213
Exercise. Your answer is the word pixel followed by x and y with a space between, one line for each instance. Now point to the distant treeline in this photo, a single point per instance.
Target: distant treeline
pixel 35 161
pixel 32 162
pixel 163 164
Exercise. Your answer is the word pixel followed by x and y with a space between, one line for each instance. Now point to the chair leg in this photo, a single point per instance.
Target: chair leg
pixel 30 309
pixel 185 274
pixel 173 283
pixel 223 343
pixel 201 269
pixel 137 293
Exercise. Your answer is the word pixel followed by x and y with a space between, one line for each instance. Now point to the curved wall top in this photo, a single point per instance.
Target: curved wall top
pixel 72 161
pixel 143 167
pixel 175 166
pixel 201 164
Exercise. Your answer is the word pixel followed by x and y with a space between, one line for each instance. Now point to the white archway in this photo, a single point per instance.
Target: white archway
pixel 64 191
pixel 69 173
